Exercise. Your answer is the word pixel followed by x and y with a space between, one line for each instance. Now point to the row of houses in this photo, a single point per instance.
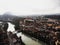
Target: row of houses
pixel 42 29
pixel 31 24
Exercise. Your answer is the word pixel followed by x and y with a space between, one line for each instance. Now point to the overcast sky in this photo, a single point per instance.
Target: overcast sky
pixel 29 7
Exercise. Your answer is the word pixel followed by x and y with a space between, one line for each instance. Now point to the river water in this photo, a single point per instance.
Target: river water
pixel 26 39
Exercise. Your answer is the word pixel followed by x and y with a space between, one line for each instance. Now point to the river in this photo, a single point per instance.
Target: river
pixel 26 39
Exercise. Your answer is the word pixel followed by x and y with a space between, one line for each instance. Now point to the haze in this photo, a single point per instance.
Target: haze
pixel 29 7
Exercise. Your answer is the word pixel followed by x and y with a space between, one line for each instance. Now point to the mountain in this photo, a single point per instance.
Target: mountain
pixel 7 17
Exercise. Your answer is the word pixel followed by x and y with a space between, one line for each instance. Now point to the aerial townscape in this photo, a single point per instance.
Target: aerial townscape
pixel 30 30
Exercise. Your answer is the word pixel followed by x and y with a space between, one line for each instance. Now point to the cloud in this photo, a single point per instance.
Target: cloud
pixel 27 7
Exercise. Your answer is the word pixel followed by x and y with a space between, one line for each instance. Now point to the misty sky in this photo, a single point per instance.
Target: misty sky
pixel 29 7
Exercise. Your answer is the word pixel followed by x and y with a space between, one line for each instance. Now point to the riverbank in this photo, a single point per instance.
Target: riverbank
pixel 28 40
pixel 25 38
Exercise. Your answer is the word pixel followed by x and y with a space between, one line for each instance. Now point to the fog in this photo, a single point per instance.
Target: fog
pixel 29 7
